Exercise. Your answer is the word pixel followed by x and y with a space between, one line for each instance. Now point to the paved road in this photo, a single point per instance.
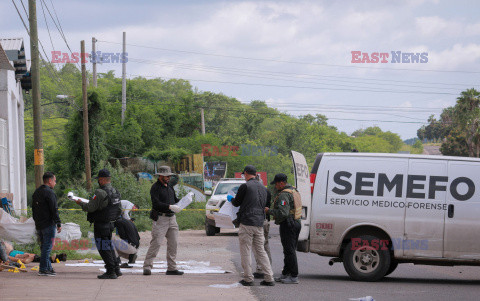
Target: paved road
pixel 432 150
pixel 319 281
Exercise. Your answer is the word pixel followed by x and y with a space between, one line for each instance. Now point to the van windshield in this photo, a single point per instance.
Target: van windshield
pixel 224 188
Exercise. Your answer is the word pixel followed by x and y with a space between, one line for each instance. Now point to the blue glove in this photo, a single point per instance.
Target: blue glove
pixel 229 198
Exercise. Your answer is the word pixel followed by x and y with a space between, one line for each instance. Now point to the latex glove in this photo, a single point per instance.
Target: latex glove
pixel 174 208
pixel 229 198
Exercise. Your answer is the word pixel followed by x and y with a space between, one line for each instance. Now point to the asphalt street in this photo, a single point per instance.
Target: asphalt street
pixel 319 281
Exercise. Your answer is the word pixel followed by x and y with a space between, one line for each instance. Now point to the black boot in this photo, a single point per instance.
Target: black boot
pixel 108 275
pixel 118 272
pixel 132 258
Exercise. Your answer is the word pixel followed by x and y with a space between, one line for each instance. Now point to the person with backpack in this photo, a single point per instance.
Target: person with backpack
pixel 103 210
pixel 286 209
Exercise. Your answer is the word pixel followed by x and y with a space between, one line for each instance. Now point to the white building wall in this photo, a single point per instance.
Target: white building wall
pixel 11 102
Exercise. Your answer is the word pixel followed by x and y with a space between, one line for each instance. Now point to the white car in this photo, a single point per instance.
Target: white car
pixel 216 201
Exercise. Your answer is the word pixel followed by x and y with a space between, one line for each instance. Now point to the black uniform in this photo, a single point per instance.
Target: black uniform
pixel 103 210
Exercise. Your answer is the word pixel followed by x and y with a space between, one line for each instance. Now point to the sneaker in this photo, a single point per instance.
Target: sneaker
pixel 245 283
pixel 132 258
pixel 107 276
pixel 266 283
pixel 290 280
pixel 258 275
pixel 176 272
pixel 46 273
pixel 147 272
pixel 279 279
pixel 52 272
pixel 125 266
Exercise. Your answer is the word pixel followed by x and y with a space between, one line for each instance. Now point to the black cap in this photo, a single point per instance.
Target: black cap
pixel 250 169
pixel 279 177
pixel 103 173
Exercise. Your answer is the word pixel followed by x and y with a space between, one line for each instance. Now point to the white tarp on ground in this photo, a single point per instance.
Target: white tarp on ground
pixel 70 231
pixel 11 229
pixel 189 267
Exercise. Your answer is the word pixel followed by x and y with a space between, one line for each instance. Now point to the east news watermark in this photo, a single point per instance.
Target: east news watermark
pixel 97 57
pixel 393 57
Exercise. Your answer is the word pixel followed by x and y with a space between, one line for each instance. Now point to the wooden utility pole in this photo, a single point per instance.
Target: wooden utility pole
pixel 203 121
pixel 86 138
pixel 37 109
pixel 94 55
pixel 124 78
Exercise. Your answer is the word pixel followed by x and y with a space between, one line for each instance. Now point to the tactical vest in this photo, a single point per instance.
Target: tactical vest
pixel 110 212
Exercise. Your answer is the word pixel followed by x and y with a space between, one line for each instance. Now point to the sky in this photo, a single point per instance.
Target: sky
pixel 294 55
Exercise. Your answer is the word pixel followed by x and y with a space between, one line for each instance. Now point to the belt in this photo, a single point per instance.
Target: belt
pixel 166 214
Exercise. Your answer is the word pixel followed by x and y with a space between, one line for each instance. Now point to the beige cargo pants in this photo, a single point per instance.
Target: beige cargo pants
pixel 251 238
pixel 266 230
pixel 164 227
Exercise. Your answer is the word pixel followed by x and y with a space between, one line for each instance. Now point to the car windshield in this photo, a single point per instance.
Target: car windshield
pixel 224 188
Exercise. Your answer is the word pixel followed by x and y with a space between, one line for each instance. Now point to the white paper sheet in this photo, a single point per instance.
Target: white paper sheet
pixel 73 197
pixel 230 210
pixel 185 201
pixel 223 221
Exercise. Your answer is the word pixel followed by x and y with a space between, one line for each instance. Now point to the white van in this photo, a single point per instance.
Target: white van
pixel 374 211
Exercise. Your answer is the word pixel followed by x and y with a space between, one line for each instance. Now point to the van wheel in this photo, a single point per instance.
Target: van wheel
pixel 209 229
pixel 393 267
pixel 366 262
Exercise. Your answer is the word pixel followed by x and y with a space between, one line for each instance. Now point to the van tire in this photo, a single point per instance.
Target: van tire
pixel 210 230
pixel 392 268
pixel 366 263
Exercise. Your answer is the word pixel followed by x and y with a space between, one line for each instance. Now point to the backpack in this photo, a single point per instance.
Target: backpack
pixel 297 200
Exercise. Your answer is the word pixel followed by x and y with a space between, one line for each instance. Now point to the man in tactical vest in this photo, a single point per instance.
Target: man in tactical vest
pixel 252 199
pixel 164 222
pixel 283 211
pixel 103 209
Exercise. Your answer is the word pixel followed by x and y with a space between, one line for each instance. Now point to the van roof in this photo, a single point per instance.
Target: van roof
pixel 409 156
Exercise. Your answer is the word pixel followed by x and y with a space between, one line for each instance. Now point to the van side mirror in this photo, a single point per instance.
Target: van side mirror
pixel 208 192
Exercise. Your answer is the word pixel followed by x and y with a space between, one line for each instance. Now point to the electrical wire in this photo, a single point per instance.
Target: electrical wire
pixel 291 62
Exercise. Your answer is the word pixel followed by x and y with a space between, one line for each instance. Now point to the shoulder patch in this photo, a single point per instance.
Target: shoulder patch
pixel 94 197
pixel 283 203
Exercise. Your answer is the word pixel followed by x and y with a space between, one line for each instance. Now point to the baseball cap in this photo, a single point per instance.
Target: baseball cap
pixel 103 173
pixel 279 177
pixel 250 169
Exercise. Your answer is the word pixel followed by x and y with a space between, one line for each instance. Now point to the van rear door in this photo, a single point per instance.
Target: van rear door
pixel 302 183
pixel 462 224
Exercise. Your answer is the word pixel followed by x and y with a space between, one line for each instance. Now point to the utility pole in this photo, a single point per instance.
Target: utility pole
pixel 37 109
pixel 124 78
pixel 203 121
pixel 86 138
pixel 94 55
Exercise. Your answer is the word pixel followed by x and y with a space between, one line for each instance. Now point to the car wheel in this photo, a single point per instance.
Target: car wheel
pixel 209 229
pixel 393 267
pixel 366 262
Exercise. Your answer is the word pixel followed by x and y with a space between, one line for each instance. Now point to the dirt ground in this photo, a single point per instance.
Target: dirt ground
pixel 81 283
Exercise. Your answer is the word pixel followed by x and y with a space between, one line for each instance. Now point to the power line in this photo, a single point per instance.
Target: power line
pixel 46 24
pixel 292 62
pixel 305 87
pixel 284 76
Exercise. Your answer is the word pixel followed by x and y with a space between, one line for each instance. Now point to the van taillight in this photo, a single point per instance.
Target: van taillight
pixel 313 176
